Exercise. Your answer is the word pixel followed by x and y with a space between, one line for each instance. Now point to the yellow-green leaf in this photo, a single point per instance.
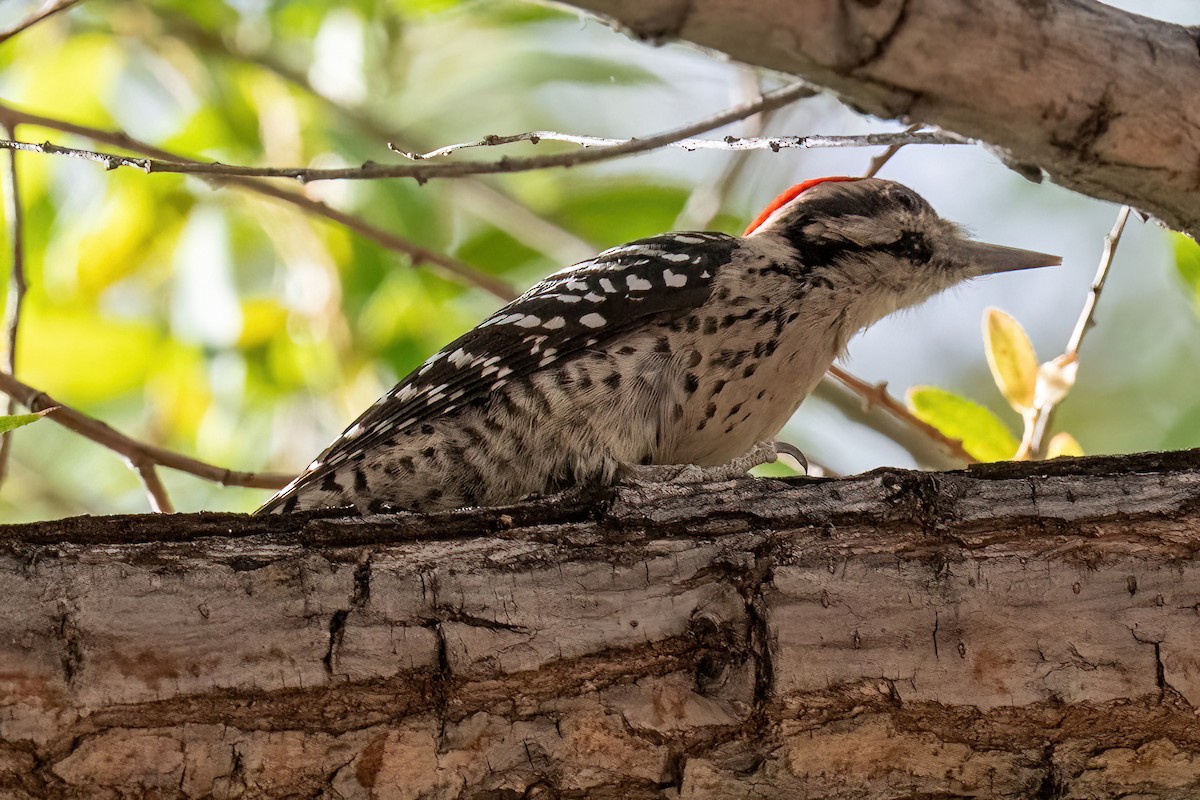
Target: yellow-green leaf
pixel 8 423
pixel 1011 358
pixel 1063 444
pixel 981 432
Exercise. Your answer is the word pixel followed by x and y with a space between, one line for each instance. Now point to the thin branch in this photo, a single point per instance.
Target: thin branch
pixel 17 286
pixel 1064 367
pixel 728 143
pixel 1086 319
pixel 383 238
pixel 878 161
pixel 926 453
pixel 877 395
pixel 424 172
pixel 160 501
pixel 371 170
pixel 48 10
pixel 135 452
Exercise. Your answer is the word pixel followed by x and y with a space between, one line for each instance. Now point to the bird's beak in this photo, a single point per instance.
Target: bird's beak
pixel 988 259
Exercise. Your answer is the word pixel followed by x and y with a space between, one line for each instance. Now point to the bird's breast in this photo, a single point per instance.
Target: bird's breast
pixel 755 364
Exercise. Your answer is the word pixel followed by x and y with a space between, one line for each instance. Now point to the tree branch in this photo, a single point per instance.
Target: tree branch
pixel 878 162
pixel 876 395
pixel 1007 632
pixel 160 501
pixel 728 143
pixel 424 172
pixel 1101 99
pixel 138 454
pixel 597 149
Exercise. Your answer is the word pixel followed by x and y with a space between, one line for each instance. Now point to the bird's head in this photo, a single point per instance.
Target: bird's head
pixel 880 240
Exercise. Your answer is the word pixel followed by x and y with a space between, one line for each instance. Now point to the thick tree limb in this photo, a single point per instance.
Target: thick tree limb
pixel 1106 102
pixel 1011 631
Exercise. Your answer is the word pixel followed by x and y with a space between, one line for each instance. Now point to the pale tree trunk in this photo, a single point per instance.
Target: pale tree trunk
pixel 1012 631
pixel 1106 102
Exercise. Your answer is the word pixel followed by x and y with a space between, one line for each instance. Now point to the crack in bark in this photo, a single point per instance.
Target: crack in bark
pixel 758 610
pixel 1050 788
pixel 68 631
pixel 337 629
pixel 935 635
pixel 883 43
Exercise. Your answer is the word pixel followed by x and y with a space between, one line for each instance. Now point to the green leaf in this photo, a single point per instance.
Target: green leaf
pixel 1011 358
pixel 981 432
pixel 18 420
pixel 1187 263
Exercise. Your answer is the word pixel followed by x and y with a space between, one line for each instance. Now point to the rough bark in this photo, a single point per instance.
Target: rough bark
pixel 1013 631
pixel 1106 102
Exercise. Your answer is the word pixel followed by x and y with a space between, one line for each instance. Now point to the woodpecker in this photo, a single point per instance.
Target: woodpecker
pixel 687 348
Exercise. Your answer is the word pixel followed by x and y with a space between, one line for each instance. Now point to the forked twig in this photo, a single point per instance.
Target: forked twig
pixel 1063 368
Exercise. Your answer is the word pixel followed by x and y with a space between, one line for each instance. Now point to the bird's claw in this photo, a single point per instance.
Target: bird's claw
pixel 762 453
pixel 785 449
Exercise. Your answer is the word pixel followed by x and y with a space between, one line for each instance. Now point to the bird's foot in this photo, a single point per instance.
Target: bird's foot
pixel 762 453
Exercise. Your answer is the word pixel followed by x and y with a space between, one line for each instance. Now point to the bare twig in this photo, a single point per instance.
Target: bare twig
pixel 1086 319
pixel 423 172
pixel 383 238
pixel 728 143
pixel 877 395
pixel 160 501
pixel 51 8
pixel 878 161
pixel 15 227
pixel 1061 370
pixel 135 452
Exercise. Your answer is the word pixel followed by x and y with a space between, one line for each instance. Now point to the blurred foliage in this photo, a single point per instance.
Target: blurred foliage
pixel 240 330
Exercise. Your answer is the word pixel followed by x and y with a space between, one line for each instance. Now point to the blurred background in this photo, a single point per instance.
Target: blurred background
pixel 242 331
